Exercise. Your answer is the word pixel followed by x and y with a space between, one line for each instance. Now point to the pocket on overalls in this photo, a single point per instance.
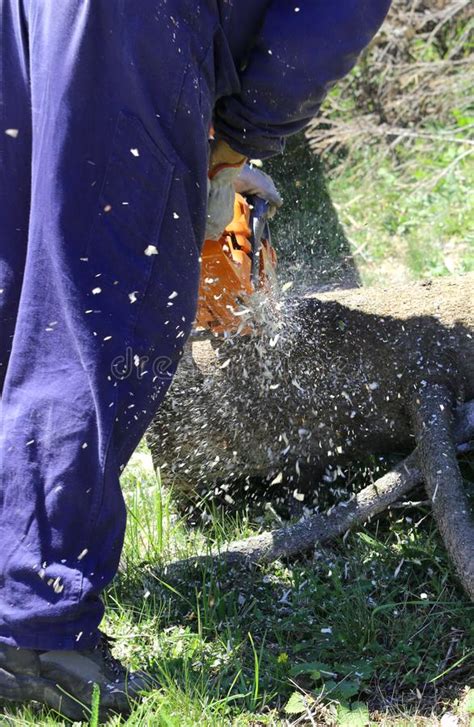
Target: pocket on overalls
pixel 124 242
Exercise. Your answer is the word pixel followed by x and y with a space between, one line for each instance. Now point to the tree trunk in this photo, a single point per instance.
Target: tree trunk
pixel 323 380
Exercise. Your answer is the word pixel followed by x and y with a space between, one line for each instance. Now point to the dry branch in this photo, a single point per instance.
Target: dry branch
pixel 433 406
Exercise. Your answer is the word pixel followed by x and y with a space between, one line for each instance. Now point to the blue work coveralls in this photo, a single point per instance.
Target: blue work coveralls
pixel 105 109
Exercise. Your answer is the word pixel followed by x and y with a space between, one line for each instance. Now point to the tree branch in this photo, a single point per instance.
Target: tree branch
pixel 433 420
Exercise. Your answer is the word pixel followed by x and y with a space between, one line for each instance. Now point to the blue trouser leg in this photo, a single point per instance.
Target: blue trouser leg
pixel 119 102
pixel 15 164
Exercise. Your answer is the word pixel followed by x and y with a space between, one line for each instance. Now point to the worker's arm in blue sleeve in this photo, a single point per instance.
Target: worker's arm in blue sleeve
pixel 303 48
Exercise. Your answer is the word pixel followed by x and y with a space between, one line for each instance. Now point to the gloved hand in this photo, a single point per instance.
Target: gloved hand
pixel 228 174
pixel 224 168
pixel 252 180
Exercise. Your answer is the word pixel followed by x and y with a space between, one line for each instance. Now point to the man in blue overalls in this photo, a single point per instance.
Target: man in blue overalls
pixel 106 186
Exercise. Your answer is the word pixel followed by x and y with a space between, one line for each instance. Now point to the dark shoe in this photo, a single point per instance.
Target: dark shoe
pixel 64 680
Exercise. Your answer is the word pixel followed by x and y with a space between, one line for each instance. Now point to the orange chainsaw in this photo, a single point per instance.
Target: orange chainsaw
pixel 234 267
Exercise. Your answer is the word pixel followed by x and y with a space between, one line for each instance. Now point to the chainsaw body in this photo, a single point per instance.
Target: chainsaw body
pixel 234 267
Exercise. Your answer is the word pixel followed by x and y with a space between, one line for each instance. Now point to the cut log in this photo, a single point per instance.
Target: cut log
pixel 323 380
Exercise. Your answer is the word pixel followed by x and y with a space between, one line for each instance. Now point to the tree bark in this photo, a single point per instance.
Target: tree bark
pixel 437 457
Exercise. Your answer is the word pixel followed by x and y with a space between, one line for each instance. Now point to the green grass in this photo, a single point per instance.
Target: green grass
pixel 411 218
pixel 375 623
pixel 385 216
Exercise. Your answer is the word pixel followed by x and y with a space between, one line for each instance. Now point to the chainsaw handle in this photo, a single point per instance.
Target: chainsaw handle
pixel 260 207
pixel 260 231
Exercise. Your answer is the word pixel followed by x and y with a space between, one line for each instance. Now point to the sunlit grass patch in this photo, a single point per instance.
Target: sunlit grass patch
pixel 412 217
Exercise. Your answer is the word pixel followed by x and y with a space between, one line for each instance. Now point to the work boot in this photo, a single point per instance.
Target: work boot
pixel 64 680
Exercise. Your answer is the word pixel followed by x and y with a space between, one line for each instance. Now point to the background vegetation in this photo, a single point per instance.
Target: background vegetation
pixel 395 152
